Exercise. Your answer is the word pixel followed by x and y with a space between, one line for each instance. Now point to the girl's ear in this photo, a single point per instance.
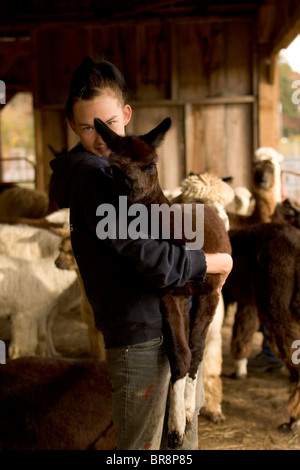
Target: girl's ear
pixel 127 113
pixel 72 126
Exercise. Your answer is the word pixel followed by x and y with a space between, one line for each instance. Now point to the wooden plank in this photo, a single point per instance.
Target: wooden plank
pixel 193 57
pixel 239 45
pixel 268 111
pixel 188 137
pixel 153 62
pixel 239 148
pixel 222 141
pixel 49 130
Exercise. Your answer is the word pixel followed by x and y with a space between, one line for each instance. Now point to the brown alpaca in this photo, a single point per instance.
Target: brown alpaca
pixel 287 212
pixel 263 193
pixel 133 160
pixel 266 279
pixel 49 403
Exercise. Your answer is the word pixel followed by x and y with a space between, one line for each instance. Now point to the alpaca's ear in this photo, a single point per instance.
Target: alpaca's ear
pixel 109 136
pixel 155 137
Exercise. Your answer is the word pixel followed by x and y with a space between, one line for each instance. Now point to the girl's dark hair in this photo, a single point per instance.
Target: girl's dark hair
pixel 92 76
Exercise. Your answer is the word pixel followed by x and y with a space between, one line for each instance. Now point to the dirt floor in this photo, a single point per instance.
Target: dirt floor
pixel 253 407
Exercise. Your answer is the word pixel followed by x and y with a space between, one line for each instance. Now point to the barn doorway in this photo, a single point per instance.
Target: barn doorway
pixel 17 142
pixel 289 119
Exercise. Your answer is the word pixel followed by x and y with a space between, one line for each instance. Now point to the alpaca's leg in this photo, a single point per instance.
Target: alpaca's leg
pixel 212 367
pixel 177 418
pixel 24 331
pixel 294 403
pixel 176 338
pixel 176 325
pixel 190 399
pixel 246 323
pixel 50 349
pixel 202 314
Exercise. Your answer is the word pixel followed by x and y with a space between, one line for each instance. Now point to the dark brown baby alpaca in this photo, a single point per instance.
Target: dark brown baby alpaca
pixel 133 160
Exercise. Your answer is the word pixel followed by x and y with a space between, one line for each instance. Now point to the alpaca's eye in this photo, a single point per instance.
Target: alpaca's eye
pixel 151 168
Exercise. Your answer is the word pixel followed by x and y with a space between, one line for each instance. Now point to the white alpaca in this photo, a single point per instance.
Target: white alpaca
pixel 24 241
pixel 31 293
pixel 244 202
pixel 32 289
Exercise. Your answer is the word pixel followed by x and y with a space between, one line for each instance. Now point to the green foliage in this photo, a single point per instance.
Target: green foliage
pixel 290 110
pixel 286 78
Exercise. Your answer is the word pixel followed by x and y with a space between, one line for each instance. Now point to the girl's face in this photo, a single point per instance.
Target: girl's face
pixel 107 107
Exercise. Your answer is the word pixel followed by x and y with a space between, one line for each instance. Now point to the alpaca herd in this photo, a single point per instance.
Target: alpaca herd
pixel 36 261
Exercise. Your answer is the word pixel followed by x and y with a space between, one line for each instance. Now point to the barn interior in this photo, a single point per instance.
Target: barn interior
pixel 210 65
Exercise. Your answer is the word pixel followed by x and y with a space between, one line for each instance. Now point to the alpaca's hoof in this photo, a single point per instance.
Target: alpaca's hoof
pixel 175 440
pixel 292 426
pixel 188 425
pixel 236 376
pixel 285 427
pixel 217 418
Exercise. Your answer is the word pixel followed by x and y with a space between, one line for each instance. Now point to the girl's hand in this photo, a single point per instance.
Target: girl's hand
pixel 219 263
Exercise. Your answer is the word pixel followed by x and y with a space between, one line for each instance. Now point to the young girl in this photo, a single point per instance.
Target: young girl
pixel 122 278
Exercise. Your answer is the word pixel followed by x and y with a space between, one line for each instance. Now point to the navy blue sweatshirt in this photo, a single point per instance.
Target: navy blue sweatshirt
pixel 123 279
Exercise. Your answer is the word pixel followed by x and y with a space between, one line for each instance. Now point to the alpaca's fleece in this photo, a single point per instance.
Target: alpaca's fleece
pixel 32 289
pixel 244 202
pixel 268 153
pixel 31 293
pixel 55 404
pixel 208 187
pixel 61 216
pixel 23 202
pixel 24 241
pixel 211 190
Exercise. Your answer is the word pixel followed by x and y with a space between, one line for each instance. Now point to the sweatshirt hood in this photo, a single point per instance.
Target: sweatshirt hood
pixel 64 167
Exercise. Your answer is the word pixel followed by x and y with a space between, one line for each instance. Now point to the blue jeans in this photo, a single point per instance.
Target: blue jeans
pixel 140 377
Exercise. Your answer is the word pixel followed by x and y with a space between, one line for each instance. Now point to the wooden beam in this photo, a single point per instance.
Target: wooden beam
pixel 10 52
pixel 16 26
pixel 279 24
pixel 226 99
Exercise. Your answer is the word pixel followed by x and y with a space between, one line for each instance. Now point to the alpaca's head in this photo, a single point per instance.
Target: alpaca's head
pixel 133 160
pixel 263 175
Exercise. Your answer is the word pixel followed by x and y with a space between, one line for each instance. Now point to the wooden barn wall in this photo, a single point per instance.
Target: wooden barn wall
pixel 200 73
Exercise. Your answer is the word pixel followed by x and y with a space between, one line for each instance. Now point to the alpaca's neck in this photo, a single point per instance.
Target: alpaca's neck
pixel 264 206
pixel 159 197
